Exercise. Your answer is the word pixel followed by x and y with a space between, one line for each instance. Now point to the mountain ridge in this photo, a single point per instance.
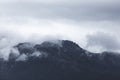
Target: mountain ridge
pixel 55 61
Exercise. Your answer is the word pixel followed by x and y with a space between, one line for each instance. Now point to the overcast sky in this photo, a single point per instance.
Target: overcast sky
pixel 93 24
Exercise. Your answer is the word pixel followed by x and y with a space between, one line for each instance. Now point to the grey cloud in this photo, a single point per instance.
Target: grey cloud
pixel 92 15
pixel 75 11
pixel 106 41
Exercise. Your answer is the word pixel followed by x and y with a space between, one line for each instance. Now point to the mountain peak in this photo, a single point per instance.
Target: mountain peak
pixel 58 60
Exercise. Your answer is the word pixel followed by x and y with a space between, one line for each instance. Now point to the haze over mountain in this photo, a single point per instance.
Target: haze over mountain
pixel 59 39
pixel 93 24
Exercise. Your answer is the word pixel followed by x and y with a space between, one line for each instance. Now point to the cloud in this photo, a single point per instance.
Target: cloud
pixel 22 57
pixel 101 41
pixel 32 20
pixel 61 1
pixel 53 9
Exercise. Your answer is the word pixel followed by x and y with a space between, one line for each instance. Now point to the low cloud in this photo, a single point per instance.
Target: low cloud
pixel 101 41
pixel 37 20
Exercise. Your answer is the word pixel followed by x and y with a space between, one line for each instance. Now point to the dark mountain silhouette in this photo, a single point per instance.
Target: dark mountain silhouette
pixel 62 60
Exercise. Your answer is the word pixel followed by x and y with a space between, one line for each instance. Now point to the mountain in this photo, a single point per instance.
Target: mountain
pixel 59 60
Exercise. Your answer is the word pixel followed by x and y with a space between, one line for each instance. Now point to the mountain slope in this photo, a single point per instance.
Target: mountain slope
pixel 62 60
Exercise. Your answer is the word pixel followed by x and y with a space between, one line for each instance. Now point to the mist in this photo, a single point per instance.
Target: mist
pixel 91 24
